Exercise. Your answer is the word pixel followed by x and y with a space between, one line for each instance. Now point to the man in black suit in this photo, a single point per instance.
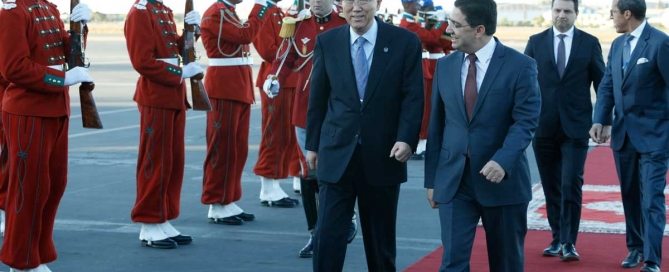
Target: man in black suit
pixel 363 119
pixel 569 62
pixel 483 117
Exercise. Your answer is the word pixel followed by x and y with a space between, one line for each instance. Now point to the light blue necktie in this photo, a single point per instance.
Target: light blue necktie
pixel 627 50
pixel 360 66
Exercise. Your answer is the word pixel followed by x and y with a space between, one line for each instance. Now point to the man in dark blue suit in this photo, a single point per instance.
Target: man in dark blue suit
pixel 485 108
pixel 636 88
pixel 569 62
pixel 363 119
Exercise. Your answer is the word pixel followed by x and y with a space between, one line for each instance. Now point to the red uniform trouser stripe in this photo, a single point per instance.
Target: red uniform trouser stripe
pixel 427 96
pixel 227 150
pixel 160 165
pixel 4 171
pixel 37 148
pixel 277 142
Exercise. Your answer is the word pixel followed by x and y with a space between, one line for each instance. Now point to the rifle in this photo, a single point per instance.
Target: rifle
pixel 77 58
pixel 199 94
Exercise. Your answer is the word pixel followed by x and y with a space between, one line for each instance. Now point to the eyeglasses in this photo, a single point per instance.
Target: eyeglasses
pixel 359 2
pixel 613 11
pixel 456 24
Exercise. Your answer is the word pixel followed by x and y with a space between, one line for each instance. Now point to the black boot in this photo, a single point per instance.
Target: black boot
pixel 308 250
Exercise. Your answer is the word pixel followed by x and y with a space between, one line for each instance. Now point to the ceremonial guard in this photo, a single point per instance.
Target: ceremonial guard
pixel 430 29
pixel 278 155
pixel 296 57
pixel 154 46
pixel 229 83
pixel 35 116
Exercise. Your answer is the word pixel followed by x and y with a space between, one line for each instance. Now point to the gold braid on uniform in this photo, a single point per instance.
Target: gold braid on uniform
pixel 228 16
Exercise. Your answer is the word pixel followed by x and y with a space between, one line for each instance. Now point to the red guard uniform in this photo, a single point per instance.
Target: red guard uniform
pixel 299 60
pixel 35 118
pixel 3 154
pixel 432 51
pixel 277 156
pixel 229 84
pixel 153 45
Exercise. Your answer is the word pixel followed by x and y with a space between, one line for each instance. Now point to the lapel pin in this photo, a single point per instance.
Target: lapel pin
pixel 385 50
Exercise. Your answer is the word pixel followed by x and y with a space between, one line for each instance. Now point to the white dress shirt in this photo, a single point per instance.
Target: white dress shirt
pixel 483 57
pixel 636 33
pixel 370 36
pixel 567 43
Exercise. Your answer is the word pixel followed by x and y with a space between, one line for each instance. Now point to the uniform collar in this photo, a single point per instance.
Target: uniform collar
pixel 324 19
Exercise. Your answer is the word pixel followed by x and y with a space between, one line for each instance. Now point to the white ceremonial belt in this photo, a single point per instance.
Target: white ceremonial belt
pixel 231 61
pixel 428 55
pixel 173 61
pixel 56 67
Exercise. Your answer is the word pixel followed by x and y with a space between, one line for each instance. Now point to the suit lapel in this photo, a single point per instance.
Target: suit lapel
pixel 347 63
pixel 549 43
pixel 456 77
pixel 575 43
pixel 490 75
pixel 382 51
pixel 638 49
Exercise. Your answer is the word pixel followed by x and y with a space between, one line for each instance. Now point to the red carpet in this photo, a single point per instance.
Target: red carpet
pixel 599 253
pixel 601 216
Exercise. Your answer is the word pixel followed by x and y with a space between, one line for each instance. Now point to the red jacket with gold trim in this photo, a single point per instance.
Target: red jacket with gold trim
pixel 151 35
pixel 38 40
pixel 267 43
pixel 225 37
pixel 299 61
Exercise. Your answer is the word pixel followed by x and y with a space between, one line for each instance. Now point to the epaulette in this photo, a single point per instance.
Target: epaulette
pixel 10 4
pixel 141 4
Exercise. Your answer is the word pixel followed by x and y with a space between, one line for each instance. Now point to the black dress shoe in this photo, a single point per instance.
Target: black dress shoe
pixel 285 202
pixel 230 220
pixel 352 231
pixel 553 250
pixel 569 253
pixel 633 259
pixel 166 243
pixel 246 216
pixel 650 267
pixel 182 239
pixel 308 250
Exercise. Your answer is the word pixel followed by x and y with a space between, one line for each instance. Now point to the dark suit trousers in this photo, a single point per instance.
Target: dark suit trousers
pixel 377 206
pixel 561 160
pixel 505 229
pixel 642 181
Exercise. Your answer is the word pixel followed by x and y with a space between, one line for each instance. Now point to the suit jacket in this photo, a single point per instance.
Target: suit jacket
pixel 503 123
pixel 640 95
pixel 567 103
pixel 391 111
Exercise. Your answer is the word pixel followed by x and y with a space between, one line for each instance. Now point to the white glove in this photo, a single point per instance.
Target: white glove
pixel 271 86
pixel 191 70
pixel 193 18
pixel 81 13
pixel 77 75
pixel 440 15
pixel 304 14
pixel 262 2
